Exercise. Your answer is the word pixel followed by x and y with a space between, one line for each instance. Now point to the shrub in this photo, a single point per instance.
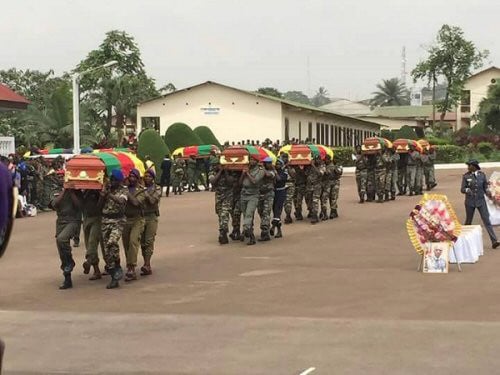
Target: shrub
pixel 343 156
pixel 406 132
pixel 181 135
pixel 451 154
pixel 485 148
pixel 151 143
pixel 388 134
pixel 206 135
pixel 438 141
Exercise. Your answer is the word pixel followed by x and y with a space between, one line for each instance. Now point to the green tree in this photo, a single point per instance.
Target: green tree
pixel 453 58
pixel 151 144
pixel 270 91
pixel 320 98
pixel 406 132
pixel 181 135
pixel 489 110
pixel 54 123
pixel 167 89
pixel 297 96
pixel 118 90
pixel 390 92
pixel 206 135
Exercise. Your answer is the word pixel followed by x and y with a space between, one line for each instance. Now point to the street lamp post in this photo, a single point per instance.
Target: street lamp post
pixel 76 104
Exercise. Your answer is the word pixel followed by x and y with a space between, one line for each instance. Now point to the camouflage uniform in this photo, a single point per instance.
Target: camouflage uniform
pixel 335 190
pixel 250 197
pixel 361 164
pixel 236 207
pixel 290 191
pixel 419 176
pixel 402 173
pixel 92 226
pixel 411 171
pixel 326 187
pixel 394 177
pixel 68 220
pixel 266 199
pixel 224 188
pixel 370 178
pixel 428 168
pixel 191 173
pixel 300 190
pixel 380 176
pixel 134 226
pixel 387 158
pixel 313 188
pixel 113 221
pixel 178 175
pixel 152 196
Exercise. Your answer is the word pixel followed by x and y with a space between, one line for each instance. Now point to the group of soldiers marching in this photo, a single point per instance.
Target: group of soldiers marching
pixel 269 189
pixel 125 209
pixel 382 176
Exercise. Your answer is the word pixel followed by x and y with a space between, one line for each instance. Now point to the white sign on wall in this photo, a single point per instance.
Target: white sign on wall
pixel 210 110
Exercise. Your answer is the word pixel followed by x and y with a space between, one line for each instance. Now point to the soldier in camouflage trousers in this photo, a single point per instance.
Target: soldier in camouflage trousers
pixel 290 189
pixel 152 195
pixel 266 199
pixel 178 168
pixel 370 178
pixel 113 199
pixel 411 170
pixel 313 187
pixel 223 183
pixel 402 179
pixel 335 189
pixel 236 207
pixel 300 190
pixel 391 183
pixel 387 159
pixel 361 173
pixel 380 173
pixel 326 187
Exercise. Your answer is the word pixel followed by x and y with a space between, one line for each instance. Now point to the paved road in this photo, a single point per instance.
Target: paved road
pixel 342 296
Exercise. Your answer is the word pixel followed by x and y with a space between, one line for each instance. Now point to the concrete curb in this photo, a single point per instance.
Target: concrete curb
pixel 492 164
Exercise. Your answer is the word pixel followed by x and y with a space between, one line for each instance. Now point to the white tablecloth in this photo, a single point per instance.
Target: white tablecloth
pixel 469 246
pixel 494 212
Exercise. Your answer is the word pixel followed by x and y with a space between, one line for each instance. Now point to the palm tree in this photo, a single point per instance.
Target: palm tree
pixel 390 92
pixel 321 97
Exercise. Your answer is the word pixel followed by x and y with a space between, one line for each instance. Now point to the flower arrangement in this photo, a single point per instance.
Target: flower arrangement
pixel 494 188
pixel 432 220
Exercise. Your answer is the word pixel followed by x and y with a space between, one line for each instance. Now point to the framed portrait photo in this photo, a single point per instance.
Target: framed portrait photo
pixel 436 257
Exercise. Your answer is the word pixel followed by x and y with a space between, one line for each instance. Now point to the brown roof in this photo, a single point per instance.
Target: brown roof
pixel 10 100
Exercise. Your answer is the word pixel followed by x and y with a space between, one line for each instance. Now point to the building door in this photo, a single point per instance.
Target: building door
pixel 310 131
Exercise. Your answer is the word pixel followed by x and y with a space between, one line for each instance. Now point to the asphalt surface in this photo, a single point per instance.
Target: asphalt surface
pixel 342 297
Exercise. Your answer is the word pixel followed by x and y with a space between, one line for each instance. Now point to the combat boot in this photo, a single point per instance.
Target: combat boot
pixel 386 197
pixel 235 234
pixel 271 231
pixel 314 219
pixel 67 283
pixel 278 231
pixel 380 199
pixel 298 216
pixel 361 199
pixel 223 237
pixel 334 214
pixel 393 196
pixel 116 275
pixel 288 219
pixel 251 236
pixel 264 236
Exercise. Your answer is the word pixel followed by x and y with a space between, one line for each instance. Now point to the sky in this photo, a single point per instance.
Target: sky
pixel 347 47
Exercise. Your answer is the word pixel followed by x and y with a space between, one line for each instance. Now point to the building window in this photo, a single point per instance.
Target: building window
pixel 318 132
pixel 465 101
pixel 150 123
pixel 300 131
pixel 327 138
pixel 287 129
pixel 331 135
pixel 310 132
pixel 322 138
pixel 336 136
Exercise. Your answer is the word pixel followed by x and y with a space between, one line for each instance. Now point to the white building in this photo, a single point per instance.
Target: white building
pixel 475 90
pixel 235 115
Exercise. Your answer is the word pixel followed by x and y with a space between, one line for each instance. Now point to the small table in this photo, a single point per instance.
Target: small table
pixel 469 246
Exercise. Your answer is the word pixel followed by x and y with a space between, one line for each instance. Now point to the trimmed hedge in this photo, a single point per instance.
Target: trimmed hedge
pixel 343 156
pixel 181 135
pixel 450 154
pixel 151 143
pixel 206 135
